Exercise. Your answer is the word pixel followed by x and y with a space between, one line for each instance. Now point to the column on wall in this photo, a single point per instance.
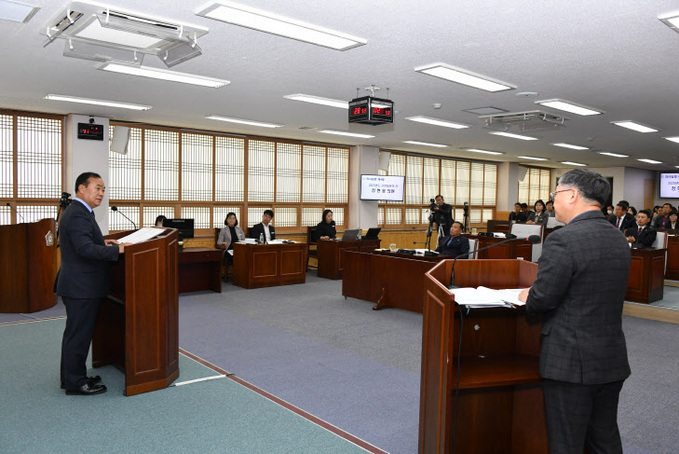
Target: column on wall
pixel 363 160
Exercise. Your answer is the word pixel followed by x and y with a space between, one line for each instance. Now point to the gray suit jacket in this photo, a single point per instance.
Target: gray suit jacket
pixel 85 259
pixel 225 236
pixel 579 290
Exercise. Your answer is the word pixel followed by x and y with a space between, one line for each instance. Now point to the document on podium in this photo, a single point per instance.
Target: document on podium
pixel 483 297
pixel 141 235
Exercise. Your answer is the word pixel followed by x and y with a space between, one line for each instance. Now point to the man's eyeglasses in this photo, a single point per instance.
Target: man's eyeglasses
pixel 552 194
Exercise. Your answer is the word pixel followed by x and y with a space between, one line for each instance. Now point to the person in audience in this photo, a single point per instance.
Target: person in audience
pixel 550 208
pixel 325 230
pixel 230 234
pixel 608 211
pixel 656 211
pixel 633 211
pixel 641 234
pixel 579 294
pixel 539 216
pixel 264 228
pixel 673 226
pixel 517 215
pixel 159 220
pixel 663 218
pixel 621 218
pixel 454 244
pixel 525 210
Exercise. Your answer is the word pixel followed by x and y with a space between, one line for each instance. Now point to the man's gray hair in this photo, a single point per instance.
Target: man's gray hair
pixel 591 185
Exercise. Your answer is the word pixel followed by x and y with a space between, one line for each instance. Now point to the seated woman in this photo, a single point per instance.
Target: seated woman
pixel 227 236
pixel 325 230
pixel 673 226
pixel 159 220
pixel 540 215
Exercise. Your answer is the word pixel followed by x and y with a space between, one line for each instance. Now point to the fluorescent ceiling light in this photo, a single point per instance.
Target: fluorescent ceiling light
pixel 164 74
pixel 672 139
pixel 650 161
pixel 242 121
pixel 671 20
pixel 437 122
pixel 615 155
pixel 17 12
pixel 97 102
pixel 568 145
pixel 567 106
pixel 571 163
pixel 476 150
pixel 346 133
pixel 533 158
pixel 460 76
pixel 318 100
pixel 256 19
pixel 426 144
pixel 634 126
pixel 513 136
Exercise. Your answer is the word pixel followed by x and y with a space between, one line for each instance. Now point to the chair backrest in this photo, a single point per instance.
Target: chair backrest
pixel 311 234
pixel 661 243
pixel 526 230
pixel 217 230
pixel 472 246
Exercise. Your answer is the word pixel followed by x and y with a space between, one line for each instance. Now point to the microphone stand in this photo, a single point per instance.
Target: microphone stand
pixel 115 208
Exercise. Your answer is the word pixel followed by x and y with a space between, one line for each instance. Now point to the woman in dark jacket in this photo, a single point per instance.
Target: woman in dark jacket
pixel 325 229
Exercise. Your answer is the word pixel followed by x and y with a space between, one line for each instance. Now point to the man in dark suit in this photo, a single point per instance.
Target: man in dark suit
pixel 621 218
pixel 442 214
pixel 641 234
pixel 579 292
pixel 82 281
pixel 454 244
pixel 517 215
pixel 264 228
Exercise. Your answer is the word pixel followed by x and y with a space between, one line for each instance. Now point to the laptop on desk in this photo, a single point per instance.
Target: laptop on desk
pixel 372 233
pixel 350 235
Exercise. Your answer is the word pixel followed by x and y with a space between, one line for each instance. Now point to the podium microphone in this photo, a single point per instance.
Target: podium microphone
pixel 534 239
pixel 17 212
pixel 115 208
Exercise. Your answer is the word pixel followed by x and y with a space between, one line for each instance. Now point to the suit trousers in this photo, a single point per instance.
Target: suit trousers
pixel 81 318
pixel 580 416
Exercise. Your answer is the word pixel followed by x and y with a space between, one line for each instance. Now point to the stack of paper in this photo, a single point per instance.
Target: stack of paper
pixel 487 297
pixel 142 235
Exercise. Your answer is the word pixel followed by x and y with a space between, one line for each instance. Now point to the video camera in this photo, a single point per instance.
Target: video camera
pixel 65 200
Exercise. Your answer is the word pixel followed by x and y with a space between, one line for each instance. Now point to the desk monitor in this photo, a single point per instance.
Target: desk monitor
pixel 372 233
pixel 185 226
pixel 350 235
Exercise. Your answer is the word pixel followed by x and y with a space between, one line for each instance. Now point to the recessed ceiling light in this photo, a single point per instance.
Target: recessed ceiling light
pixel 615 155
pixel 567 106
pixel 17 12
pixel 533 158
pixel 95 32
pixel 256 19
pixel 346 133
pixel 97 102
pixel 650 161
pixel 437 122
pixel 243 121
pixel 571 163
pixel 634 126
pixel 671 20
pixel 476 150
pixel 513 136
pixel 568 145
pixel 318 100
pixel 461 76
pixel 163 74
pixel 425 144
pixel 673 139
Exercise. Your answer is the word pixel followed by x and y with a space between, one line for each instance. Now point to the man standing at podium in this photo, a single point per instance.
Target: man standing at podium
pixel 82 281
pixel 579 292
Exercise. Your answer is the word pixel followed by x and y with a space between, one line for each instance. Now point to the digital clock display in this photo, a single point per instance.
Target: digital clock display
pixel 371 111
pixel 90 131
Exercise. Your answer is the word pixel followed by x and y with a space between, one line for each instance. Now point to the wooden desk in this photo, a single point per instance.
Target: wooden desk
pixel 200 269
pixel 386 278
pixel 330 259
pixel 509 250
pixel 645 283
pixel 672 271
pixel 268 265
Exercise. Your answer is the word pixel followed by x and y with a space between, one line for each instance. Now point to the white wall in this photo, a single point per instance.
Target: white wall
pixel 83 155
pixel 363 160
pixel 507 185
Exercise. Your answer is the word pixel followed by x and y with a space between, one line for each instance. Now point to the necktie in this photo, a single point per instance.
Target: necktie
pixel 639 232
pixel 92 213
pixel 450 241
pixel 618 224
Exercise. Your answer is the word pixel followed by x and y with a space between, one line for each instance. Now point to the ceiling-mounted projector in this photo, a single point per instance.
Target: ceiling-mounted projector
pixel 369 110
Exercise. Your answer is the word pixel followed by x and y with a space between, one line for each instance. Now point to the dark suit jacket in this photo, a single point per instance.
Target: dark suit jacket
pixel 627 221
pixel 580 290
pixel 85 259
pixel 458 245
pixel 647 235
pixel 259 228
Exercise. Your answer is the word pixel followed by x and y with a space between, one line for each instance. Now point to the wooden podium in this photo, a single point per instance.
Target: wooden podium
pixel 137 327
pixel 499 403
pixel 28 266
pixel 330 255
pixel 269 265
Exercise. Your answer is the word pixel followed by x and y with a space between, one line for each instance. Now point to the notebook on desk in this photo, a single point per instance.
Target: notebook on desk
pixel 372 233
pixel 350 235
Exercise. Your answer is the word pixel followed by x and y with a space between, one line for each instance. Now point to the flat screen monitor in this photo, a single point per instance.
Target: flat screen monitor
pixel 185 226
pixel 669 185
pixel 382 187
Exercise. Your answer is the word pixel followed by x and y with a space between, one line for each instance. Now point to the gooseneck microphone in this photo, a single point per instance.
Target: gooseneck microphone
pixel 534 239
pixel 16 211
pixel 115 208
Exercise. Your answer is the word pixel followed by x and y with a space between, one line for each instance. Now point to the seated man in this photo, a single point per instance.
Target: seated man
pixel 517 216
pixel 454 244
pixel 264 228
pixel 641 235
pixel 663 218
pixel 621 219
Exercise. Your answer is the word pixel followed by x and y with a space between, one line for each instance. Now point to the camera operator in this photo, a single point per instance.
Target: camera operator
pixel 441 214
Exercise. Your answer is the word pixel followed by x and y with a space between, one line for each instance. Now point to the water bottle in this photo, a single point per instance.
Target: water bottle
pixel 261 238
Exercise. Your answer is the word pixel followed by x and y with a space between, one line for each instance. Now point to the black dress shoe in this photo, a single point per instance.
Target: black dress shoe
pixel 90 380
pixel 86 390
